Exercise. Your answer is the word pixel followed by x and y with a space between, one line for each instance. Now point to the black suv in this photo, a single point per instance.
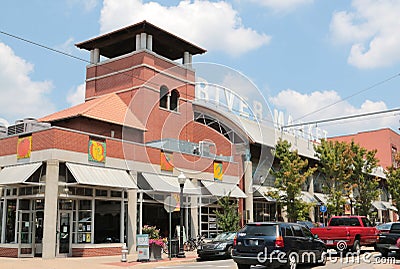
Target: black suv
pixel 277 244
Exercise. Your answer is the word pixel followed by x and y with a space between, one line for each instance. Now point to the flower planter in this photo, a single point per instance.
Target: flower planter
pixel 155 252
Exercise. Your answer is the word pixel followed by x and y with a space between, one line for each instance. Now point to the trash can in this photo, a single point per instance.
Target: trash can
pixel 174 247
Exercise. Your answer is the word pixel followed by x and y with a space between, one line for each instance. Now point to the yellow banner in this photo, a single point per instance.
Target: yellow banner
pixel 218 171
pixel 24 147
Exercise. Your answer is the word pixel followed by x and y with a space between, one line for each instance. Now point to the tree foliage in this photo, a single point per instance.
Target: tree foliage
pixel 335 162
pixel 228 217
pixel 393 180
pixel 366 186
pixel 347 168
pixel 290 176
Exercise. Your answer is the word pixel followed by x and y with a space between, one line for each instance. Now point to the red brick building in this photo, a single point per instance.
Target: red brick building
pixel 386 142
pixel 83 180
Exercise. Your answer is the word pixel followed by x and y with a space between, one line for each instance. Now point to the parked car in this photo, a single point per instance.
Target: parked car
pixel 308 224
pixel 384 227
pixel 220 246
pixel 347 233
pixel 390 241
pixel 277 244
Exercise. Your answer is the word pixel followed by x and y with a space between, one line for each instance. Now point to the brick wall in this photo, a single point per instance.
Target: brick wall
pixel 9 252
pixel 91 252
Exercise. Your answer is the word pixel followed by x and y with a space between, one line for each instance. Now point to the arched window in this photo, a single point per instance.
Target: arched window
pixel 173 101
pixel 164 97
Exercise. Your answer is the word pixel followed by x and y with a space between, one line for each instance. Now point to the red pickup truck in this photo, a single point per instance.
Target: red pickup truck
pixel 347 233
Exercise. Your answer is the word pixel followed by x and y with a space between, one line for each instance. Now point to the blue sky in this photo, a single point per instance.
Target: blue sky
pixel 303 55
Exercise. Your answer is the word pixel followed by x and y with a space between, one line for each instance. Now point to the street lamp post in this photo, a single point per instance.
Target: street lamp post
pixel 181 180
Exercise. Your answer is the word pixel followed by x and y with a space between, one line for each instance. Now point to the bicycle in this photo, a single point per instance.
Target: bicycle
pixel 165 248
pixel 193 244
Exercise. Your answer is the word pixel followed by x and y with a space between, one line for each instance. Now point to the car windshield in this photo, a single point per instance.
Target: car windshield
pixel 344 222
pixel 224 236
pixel 260 229
pixel 385 226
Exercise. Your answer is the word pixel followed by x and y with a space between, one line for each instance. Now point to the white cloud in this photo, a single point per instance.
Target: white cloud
pixel 297 105
pixel 282 5
pixel 4 122
pixel 20 96
pixel 372 29
pixel 67 47
pixel 212 25
pixel 76 96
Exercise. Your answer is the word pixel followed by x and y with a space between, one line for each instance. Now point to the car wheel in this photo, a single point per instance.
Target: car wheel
pixel 291 261
pixel 356 247
pixel 324 256
pixel 243 266
pixel 229 252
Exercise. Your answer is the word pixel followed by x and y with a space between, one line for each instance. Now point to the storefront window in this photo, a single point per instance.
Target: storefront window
pixel 116 194
pixel 209 227
pixel 101 193
pixel 107 227
pixel 10 221
pixel 24 204
pixel 84 225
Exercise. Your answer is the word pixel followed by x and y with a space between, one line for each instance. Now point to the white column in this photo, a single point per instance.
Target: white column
pixel 96 56
pixel 50 210
pixel 92 57
pixel 3 224
pixel 186 57
pixel 122 219
pixel 248 188
pixel 190 60
pixel 149 45
pixel 92 219
pixel 143 40
pixel 137 47
pixel 311 191
pixel 132 219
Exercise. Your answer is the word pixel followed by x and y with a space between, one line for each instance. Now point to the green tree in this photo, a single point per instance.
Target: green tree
pixel 335 162
pixel 290 176
pixel 228 217
pixel 393 180
pixel 365 185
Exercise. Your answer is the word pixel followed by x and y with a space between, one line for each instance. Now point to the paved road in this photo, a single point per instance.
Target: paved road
pixel 366 260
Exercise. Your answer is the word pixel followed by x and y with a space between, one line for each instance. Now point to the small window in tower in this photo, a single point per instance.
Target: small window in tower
pixel 174 100
pixel 394 153
pixel 164 97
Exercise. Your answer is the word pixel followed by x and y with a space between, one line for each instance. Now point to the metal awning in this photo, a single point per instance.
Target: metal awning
pixel 322 198
pixel 307 197
pixel 17 174
pixel 378 205
pixel 100 176
pixel 221 189
pixel 169 184
pixel 263 191
pixel 389 206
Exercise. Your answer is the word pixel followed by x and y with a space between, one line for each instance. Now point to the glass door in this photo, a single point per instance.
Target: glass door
pixel 25 234
pixel 64 233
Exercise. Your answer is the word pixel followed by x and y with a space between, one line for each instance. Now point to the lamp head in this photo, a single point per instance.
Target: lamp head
pixel 181 178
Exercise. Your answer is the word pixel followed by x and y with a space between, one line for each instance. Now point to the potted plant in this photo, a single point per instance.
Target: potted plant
pixel 156 243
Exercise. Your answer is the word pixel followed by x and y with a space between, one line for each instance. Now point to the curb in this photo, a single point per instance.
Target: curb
pixel 151 264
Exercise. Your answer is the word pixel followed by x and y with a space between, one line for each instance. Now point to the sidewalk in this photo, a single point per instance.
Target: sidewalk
pixel 91 262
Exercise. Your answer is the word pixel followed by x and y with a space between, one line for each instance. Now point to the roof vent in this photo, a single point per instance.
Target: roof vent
pixel 3 130
pixel 26 125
